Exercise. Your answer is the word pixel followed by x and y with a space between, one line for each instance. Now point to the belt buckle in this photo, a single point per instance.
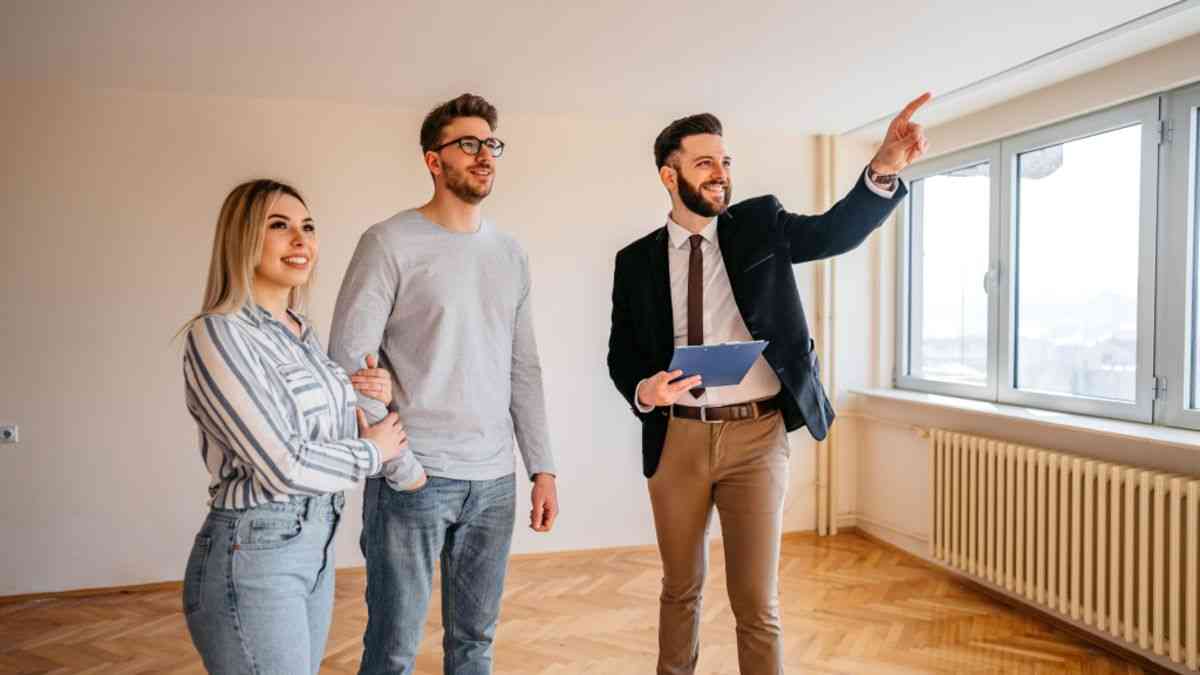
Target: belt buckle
pixel 704 416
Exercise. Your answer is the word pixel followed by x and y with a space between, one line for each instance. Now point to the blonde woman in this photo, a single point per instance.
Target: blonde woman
pixel 280 437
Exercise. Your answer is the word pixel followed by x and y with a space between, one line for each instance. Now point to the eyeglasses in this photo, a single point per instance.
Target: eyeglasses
pixel 472 145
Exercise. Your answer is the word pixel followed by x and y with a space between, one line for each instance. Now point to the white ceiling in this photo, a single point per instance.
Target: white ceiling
pixel 807 66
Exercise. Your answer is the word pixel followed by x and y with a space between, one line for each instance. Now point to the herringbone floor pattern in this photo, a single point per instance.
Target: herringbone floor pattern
pixel 850 606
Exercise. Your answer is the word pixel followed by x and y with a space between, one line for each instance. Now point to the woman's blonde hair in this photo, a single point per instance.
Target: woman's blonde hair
pixel 237 248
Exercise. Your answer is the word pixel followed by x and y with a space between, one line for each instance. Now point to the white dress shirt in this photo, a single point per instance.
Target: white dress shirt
pixel 722 320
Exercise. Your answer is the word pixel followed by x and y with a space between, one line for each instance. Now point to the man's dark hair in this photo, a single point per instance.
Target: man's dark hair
pixel 670 139
pixel 466 105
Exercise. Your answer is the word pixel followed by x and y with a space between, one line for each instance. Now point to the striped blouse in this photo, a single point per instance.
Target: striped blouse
pixel 276 415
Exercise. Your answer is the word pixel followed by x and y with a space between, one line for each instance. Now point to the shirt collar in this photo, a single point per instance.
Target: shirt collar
pixel 257 315
pixel 253 314
pixel 680 235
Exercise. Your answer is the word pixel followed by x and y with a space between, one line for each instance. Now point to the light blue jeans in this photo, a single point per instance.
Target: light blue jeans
pixel 258 589
pixel 464 525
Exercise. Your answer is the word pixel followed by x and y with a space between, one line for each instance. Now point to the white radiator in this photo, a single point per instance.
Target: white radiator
pixel 1111 546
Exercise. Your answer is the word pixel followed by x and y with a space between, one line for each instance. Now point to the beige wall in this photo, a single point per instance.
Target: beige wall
pixel 110 198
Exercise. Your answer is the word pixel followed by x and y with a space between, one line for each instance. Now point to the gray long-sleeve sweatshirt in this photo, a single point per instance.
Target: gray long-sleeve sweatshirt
pixel 450 315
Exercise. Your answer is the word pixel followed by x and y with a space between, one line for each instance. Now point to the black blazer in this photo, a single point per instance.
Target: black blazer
pixel 760 242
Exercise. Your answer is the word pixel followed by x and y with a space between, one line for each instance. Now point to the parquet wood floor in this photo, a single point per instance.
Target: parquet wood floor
pixel 850 605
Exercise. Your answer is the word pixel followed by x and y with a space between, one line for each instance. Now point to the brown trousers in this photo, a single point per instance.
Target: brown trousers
pixel 742 469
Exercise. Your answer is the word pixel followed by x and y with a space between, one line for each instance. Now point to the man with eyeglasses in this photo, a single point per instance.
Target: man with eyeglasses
pixel 444 299
pixel 716 273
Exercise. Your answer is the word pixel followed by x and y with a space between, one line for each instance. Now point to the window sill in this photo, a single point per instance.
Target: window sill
pixel 1146 433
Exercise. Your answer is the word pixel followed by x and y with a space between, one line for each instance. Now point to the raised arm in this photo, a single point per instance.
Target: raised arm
pixel 869 203
pixel 840 229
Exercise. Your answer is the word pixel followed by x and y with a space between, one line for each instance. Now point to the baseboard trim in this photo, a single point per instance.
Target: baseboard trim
pixel 914 543
pixel 92 592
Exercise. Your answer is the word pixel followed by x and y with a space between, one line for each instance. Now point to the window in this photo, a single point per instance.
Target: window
pixel 1177 337
pixel 1057 269
pixel 946 253
pixel 1194 228
pixel 949 339
pixel 1076 266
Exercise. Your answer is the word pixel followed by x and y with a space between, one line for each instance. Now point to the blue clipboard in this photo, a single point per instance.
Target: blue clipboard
pixel 717 365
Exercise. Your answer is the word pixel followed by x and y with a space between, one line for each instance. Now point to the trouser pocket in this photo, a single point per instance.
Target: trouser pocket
pixel 269 531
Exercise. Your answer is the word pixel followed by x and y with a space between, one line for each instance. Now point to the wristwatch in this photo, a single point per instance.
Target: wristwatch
pixel 885 181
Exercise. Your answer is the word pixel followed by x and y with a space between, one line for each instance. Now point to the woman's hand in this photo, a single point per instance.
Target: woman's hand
pixel 389 435
pixel 373 381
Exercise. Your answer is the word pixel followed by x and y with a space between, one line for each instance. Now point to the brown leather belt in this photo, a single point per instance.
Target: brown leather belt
pixel 726 413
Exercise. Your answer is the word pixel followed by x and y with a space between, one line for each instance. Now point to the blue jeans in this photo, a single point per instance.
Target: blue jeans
pixel 467 526
pixel 258 589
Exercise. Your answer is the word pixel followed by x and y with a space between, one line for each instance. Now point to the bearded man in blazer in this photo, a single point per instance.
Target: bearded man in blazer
pixel 716 273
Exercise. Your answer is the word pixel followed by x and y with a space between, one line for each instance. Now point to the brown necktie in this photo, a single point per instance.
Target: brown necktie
pixel 695 300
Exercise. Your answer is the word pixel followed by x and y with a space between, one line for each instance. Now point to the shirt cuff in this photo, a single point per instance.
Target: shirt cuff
pixel 404 472
pixel 882 192
pixel 637 402
pixel 375 410
pixel 373 455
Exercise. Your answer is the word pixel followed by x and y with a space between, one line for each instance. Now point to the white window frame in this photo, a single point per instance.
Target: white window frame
pixel 908 243
pixel 1178 273
pixel 1146 113
pixel 1000 281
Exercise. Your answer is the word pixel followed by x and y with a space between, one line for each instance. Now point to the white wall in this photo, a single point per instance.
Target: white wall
pixel 111 198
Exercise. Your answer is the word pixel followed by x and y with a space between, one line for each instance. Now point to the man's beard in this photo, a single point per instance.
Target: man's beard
pixel 698 203
pixel 458 181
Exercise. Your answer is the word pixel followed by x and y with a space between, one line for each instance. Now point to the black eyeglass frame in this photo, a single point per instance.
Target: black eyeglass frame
pixel 493 144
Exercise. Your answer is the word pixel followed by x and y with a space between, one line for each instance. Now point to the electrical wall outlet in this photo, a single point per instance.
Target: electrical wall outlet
pixel 9 433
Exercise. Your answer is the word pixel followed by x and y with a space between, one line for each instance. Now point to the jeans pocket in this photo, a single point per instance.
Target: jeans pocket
pixel 422 499
pixel 193 576
pixel 270 532
pixel 408 491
